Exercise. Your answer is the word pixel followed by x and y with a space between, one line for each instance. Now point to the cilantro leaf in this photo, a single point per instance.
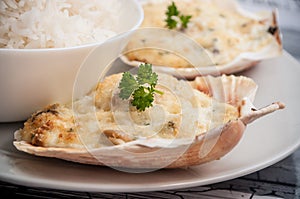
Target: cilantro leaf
pixel 142 99
pixel 141 88
pixel 174 18
pixel 185 20
pixel 171 23
pixel 172 10
pixel 146 76
pixel 127 85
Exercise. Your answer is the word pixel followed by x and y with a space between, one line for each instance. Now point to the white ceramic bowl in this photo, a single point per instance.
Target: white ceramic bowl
pixel 33 78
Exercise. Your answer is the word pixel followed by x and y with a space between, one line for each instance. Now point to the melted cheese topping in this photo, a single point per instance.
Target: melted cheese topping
pixel 102 118
pixel 224 33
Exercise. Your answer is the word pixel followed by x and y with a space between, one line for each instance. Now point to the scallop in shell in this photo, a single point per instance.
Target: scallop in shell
pixel 142 152
pixel 233 38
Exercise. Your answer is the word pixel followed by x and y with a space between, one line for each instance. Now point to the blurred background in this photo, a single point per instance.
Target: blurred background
pixel 289 16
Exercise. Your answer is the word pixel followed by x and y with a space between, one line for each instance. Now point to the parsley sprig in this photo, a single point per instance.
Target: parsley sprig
pixel 141 87
pixel 174 17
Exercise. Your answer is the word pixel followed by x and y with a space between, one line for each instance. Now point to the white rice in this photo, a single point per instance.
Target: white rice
pixel 56 23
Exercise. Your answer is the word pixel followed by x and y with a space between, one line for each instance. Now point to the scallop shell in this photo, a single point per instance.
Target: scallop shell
pixel 159 153
pixel 243 61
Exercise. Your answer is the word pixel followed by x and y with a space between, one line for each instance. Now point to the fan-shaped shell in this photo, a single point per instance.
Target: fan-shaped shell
pixel 179 67
pixel 159 153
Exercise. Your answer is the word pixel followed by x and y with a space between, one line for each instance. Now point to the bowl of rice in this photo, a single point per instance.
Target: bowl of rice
pixel 43 44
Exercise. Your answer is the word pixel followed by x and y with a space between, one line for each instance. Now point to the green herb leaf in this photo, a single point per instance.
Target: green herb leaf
pixel 140 88
pixel 171 23
pixel 172 10
pixel 142 99
pixel 172 13
pixel 185 20
pixel 127 85
pixel 146 76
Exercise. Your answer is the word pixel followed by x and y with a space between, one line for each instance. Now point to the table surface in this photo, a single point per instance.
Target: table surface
pixel 277 181
pixel 281 180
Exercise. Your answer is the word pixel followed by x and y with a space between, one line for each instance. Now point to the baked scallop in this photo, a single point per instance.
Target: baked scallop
pixel 233 38
pixel 191 123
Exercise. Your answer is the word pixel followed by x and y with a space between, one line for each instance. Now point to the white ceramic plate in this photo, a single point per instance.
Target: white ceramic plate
pixel 267 141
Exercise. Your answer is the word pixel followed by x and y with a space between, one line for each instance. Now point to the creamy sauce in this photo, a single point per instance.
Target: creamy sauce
pixel 180 112
pixel 223 32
